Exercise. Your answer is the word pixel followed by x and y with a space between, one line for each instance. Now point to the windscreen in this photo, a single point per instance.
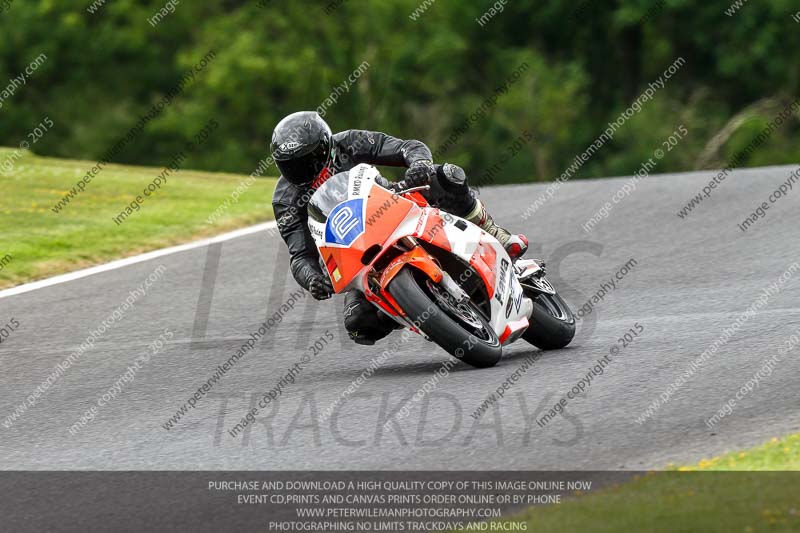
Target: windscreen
pixel 329 195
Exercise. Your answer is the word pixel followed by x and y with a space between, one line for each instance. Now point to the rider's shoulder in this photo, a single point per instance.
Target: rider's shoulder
pixel 356 137
pixel 285 192
pixel 341 136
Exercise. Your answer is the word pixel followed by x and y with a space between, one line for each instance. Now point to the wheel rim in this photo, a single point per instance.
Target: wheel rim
pixel 463 313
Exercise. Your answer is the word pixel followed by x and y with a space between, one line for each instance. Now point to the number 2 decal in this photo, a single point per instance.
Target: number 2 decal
pixel 343 221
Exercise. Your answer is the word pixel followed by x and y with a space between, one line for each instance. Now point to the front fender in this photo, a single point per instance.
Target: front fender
pixel 419 259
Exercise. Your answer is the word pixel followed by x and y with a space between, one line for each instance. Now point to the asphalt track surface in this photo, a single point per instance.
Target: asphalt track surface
pixel 692 278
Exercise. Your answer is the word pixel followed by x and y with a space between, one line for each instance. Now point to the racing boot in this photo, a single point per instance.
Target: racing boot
pixel 364 323
pixel 515 245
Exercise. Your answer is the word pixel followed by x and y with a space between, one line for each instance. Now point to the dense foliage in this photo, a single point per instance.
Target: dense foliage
pixel 584 63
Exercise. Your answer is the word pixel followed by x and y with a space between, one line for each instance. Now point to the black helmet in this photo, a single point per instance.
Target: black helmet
pixel 301 146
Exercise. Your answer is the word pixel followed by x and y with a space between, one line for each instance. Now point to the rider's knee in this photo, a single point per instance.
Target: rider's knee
pixel 363 322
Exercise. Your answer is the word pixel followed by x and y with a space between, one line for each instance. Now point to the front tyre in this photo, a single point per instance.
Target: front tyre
pixel 552 324
pixel 460 330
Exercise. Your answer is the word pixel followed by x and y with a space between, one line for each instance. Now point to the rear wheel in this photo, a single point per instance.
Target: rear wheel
pixel 459 328
pixel 552 322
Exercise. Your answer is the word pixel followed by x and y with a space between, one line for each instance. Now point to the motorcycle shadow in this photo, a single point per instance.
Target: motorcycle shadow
pixel 511 358
pixel 423 367
pixel 524 352
pixel 393 369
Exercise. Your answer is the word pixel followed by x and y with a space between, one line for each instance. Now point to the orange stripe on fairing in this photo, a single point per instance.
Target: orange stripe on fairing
pixel 434 231
pixel 484 261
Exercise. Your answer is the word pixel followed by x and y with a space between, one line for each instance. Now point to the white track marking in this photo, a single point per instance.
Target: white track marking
pixel 121 263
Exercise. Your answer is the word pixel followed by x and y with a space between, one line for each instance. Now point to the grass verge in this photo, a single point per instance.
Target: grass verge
pixel 36 243
pixel 746 491
pixel 776 455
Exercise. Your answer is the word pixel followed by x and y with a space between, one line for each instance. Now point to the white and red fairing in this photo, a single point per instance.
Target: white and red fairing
pixel 386 218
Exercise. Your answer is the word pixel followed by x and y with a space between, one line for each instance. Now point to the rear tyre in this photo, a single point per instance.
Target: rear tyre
pixel 462 331
pixel 552 322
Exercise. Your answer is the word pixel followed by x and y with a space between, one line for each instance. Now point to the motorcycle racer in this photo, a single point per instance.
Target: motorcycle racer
pixel 306 152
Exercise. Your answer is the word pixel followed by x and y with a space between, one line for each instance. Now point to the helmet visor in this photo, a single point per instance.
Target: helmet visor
pixel 304 168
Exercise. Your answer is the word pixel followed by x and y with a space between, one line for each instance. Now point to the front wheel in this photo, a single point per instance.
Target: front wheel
pixel 460 329
pixel 552 324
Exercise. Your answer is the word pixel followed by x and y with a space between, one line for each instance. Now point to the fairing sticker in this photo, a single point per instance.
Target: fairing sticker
pixel 346 222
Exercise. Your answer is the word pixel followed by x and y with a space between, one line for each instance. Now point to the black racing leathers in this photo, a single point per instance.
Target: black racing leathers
pixel 351 148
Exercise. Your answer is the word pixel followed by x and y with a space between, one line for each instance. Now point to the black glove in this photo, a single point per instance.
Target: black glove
pixel 420 173
pixel 320 287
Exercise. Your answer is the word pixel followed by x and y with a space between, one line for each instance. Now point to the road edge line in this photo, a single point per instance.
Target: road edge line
pixel 121 263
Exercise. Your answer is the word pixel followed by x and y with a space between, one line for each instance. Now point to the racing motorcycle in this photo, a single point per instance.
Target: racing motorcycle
pixel 432 272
